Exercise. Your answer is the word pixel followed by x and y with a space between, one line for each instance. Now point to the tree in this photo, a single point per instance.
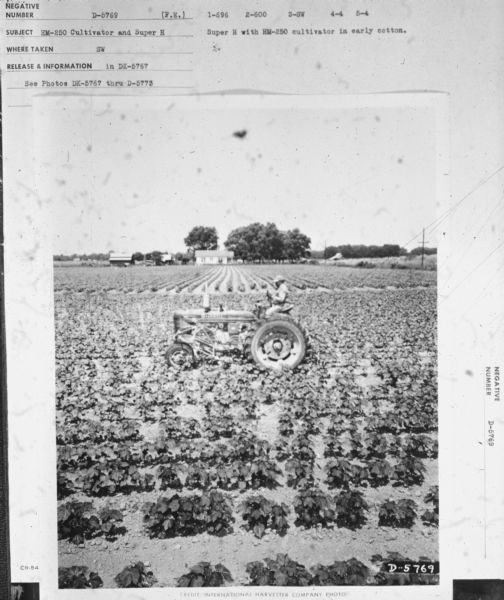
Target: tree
pixel 271 242
pixel 202 238
pixel 426 251
pixel 296 244
pixel 182 257
pixel 330 251
pixel 362 251
pixel 390 250
pixel 258 242
pixel 93 256
pixel 137 256
pixel 246 242
pixel 155 255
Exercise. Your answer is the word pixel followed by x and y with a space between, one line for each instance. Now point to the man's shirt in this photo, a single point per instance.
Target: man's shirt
pixel 281 294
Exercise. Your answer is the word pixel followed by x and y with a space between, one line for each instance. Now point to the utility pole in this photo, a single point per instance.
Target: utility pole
pixel 423 246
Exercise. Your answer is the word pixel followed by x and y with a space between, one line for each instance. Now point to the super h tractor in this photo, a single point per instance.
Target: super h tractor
pixel 274 342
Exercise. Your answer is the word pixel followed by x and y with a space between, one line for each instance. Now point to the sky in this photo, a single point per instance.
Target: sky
pixel 125 176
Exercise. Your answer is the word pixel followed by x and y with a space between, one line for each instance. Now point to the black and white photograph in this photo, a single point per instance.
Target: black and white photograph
pixel 245 302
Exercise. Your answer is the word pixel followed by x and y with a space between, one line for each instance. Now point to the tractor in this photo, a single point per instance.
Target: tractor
pixel 272 342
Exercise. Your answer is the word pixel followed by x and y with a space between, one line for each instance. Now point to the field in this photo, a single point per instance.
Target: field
pixel 311 477
pixel 239 279
pixel 396 262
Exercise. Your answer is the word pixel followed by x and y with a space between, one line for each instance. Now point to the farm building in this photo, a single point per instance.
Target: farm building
pixel 213 257
pixel 166 259
pixel 118 259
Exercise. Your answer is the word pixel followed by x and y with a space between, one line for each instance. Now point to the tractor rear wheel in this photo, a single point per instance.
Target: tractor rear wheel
pixel 278 343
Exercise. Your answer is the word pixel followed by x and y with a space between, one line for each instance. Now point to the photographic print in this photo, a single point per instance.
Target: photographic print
pixel 245 309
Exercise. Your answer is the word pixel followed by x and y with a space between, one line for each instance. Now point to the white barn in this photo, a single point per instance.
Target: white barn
pixel 213 257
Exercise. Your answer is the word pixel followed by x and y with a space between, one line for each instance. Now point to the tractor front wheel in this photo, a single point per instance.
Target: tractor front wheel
pixel 180 356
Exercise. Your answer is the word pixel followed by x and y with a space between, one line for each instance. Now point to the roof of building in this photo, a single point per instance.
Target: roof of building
pixel 217 253
pixel 120 256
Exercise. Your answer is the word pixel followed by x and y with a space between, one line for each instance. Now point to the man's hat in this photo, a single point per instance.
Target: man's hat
pixel 279 279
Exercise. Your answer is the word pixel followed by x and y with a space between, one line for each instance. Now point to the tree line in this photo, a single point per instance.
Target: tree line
pixel 260 242
pixel 363 251
pixel 256 242
pixel 99 256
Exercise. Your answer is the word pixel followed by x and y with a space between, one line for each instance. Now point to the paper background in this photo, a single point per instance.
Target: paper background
pixel 455 47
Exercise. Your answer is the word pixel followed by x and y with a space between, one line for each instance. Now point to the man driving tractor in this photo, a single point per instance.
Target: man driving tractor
pixel 269 337
pixel 278 300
